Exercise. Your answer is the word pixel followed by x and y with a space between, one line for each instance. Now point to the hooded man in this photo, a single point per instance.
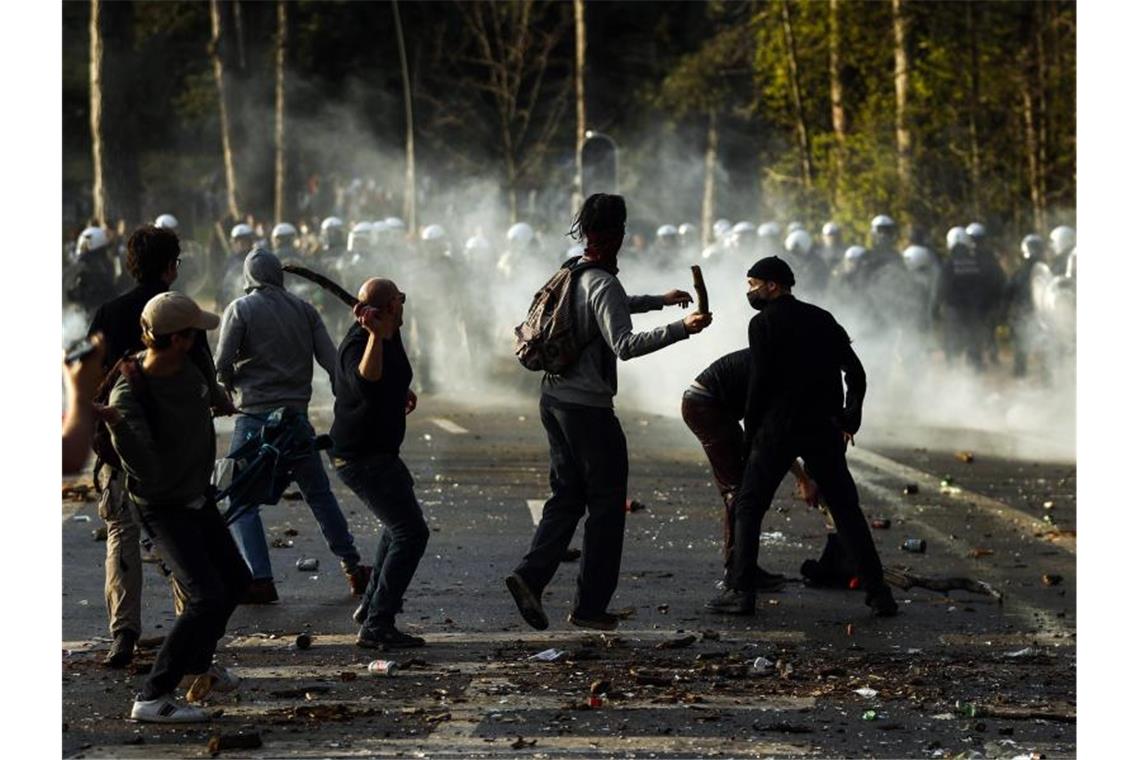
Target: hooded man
pixel 265 353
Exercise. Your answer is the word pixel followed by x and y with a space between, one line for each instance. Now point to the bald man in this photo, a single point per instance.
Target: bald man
pixel 373 395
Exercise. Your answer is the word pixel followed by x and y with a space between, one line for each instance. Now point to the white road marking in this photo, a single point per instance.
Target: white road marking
pixel 448 425
pixel 931 484
pixel 535 506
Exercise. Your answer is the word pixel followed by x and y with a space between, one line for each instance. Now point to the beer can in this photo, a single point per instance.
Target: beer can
pixel 915 545
pixel 382 667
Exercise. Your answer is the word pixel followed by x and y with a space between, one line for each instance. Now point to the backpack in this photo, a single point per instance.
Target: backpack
pixel 545 342
pixel 105 454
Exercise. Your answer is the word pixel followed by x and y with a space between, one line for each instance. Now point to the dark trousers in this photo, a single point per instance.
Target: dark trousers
pixel 204 560
pixel 722 438
pixel 824 459
pixel 589 466
pixel 385 486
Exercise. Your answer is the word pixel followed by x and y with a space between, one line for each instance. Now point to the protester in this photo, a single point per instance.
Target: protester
pixel 796 407
pixel 373 395
pixel 81 383
pixel 268 340
pixel 712 407
pixel 152 258
pixel 589 464
pixel 163 432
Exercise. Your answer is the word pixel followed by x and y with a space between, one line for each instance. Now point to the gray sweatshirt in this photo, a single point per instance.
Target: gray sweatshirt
pixel 268 340
pixel 603 326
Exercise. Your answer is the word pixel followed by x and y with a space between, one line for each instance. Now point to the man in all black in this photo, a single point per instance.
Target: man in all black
pixel 373 395
pixel 796 407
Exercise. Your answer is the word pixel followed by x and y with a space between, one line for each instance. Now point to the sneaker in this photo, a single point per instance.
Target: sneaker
pixel 261 591
pixel 217 678
pixel 529 605
pixel 387 637
pixel 166 710
pixel 122 650
pixel 360 614
pixel 733 602
pixel 358 578
pixel 601 621
pixel 882 601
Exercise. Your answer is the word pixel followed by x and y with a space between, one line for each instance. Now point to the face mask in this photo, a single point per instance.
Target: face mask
pixel 757 300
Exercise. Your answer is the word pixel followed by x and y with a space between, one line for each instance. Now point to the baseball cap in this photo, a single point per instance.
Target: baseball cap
pixel 773 269
pixel 171 312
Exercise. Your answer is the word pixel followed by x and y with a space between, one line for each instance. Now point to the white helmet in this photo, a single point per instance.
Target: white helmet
pixel 976 230
pixel 520 234
pixel 283 229
pixel 432 232
pixel 853 257
pixel 1063 238
pixel 831 229
pixel 396 223
pixel 331 221
pixel 166 221
pixel 798 242
pixel 743 228
pixel 1032 246
pixel 793 226
pixel 241 230
pixel 477 246
pixel 686 229
pixel 91 239
pixel 881 222
pixel 769 230
pixel 918 258
pixel 360 236
pixel 666 230
pixel 957 236
pixel 721 228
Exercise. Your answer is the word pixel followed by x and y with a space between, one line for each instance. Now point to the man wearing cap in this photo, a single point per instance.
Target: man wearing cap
pixel 162 429
pixel 796 407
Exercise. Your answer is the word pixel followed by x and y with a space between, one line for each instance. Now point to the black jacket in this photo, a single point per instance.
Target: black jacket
pixel 800 358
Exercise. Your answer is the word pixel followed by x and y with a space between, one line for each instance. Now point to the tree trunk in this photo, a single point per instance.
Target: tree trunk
pixel 797 100
pixel 1031 155
pixel 279 209
pixel 98 183
pixel 223 109
pixel 239 35
pixel 838 115
pixel 902 116
pixel 580 98
pixel 972 112
pixel 1044 133
pixel 409 126
pixel 708 202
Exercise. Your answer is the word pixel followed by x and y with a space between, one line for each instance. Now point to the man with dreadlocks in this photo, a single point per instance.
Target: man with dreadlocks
pixel 588 459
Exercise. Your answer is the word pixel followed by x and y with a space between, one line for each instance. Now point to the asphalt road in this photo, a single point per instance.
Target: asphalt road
pixel 955 674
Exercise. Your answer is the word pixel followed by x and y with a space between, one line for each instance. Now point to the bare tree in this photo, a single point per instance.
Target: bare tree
pixel 511 45
pixel 409 126
pixel 708 199
pixel 797 100
pixel 279 121
pixel 579 97
pixel 902 115
pixel 972 111
pixel 223 108
pixel 99 181
pixel 838 114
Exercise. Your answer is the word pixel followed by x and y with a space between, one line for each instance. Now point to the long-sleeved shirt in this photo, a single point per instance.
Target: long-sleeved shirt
pixel 169 456
pixel 604 329
pixel 800 358
pixel 268 341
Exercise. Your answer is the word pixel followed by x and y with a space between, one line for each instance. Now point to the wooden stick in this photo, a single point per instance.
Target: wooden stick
pixel 702 292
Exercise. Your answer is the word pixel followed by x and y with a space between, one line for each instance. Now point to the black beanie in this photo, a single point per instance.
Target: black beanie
pixel 773 269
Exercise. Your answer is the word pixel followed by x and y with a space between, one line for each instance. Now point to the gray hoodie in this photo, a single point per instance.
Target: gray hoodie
pixel 268 340
pixel 602 324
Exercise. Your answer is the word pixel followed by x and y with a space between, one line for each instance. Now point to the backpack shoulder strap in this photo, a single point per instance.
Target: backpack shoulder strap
pixel 131 369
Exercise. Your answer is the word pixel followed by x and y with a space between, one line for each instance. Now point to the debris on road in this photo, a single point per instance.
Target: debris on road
pixel 866 692
pixel 965 456
pixel 303 641
pixel 281 543
pixel 979 553
pixel 1051 580
pixel 521 743
pixel 901 578
pixel 308 564
pixel 548 655
pixel 910 489
pixel 870 715
pixel 762 666
pixel 680 643
pixel 881 523
pixel 633 505
pixel 914 545
pixel 383 667
pixel 599 687
pixel 80 518
pixel 220 742
pixel 290 532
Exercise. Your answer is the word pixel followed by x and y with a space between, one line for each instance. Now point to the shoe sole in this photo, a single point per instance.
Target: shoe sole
pixel 168 721
pixel 529 607
pixel 592 624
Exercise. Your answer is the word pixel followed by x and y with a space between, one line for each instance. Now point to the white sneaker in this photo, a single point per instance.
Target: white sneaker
pixel 166 710
pixel 218 678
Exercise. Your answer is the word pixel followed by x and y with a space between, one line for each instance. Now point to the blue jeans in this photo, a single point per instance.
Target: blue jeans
pixel 384 484
pixel 310 476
